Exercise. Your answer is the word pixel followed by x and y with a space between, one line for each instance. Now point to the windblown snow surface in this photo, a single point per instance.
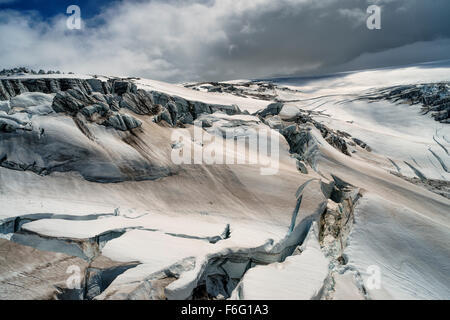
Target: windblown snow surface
pixel 357 208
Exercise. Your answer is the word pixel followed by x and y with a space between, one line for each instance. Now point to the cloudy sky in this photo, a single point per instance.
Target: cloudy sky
pixel 194 40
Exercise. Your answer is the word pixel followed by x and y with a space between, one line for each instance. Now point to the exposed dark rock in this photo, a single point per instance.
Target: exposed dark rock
pixel 122 87
pixel 185 112
pixel 252 89
pixel 440 187
pixel 163 99
pixel 82 85
pixel 74 100
pixel 140 102
pixel 100 109
pixel 205 123
pixel 18 86
pixel 8 87
pixel 54 85
pixel 301 143
pixel 4 94
pixel 37 85
pixel 16 71
pixel 123 122
pixel 94 97
pixel 434 98
pixel 164 115
pixel 332 138
pixel 97 86
pixel 229 110
pixel 11 87
pixel 362 144
pixel 272 109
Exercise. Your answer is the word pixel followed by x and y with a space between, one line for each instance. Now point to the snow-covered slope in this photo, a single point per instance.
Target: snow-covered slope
pixel 87 170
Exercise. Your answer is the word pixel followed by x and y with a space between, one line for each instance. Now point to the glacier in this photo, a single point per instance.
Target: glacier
pixel 87 179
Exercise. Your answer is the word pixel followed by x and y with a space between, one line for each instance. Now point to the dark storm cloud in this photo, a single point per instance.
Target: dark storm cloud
pixel 229 39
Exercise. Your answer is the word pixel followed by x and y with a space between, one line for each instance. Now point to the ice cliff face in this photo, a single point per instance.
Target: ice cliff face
pixel 357 208
pixel 55 121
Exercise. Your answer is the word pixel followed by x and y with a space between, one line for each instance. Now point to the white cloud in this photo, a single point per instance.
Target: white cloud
pixel 204 39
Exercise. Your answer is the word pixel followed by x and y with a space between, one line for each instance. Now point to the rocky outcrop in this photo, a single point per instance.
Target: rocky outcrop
pixel 28 144
pixel 123 122
pixel 12 87
pixel 362 144
pixel 98 108
pixel 5 90
pixel 74 100
pixel 124 94
pixel 25 71
pixel 337 139
pixel 301 143
pixel 121 87
pixel 93 96
pixel 181 111
pixel 272 109
pixel 298 136
pixel 434 98
pixel 440 187
pixel 260 90
pixel 95 109
pixel 140 102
